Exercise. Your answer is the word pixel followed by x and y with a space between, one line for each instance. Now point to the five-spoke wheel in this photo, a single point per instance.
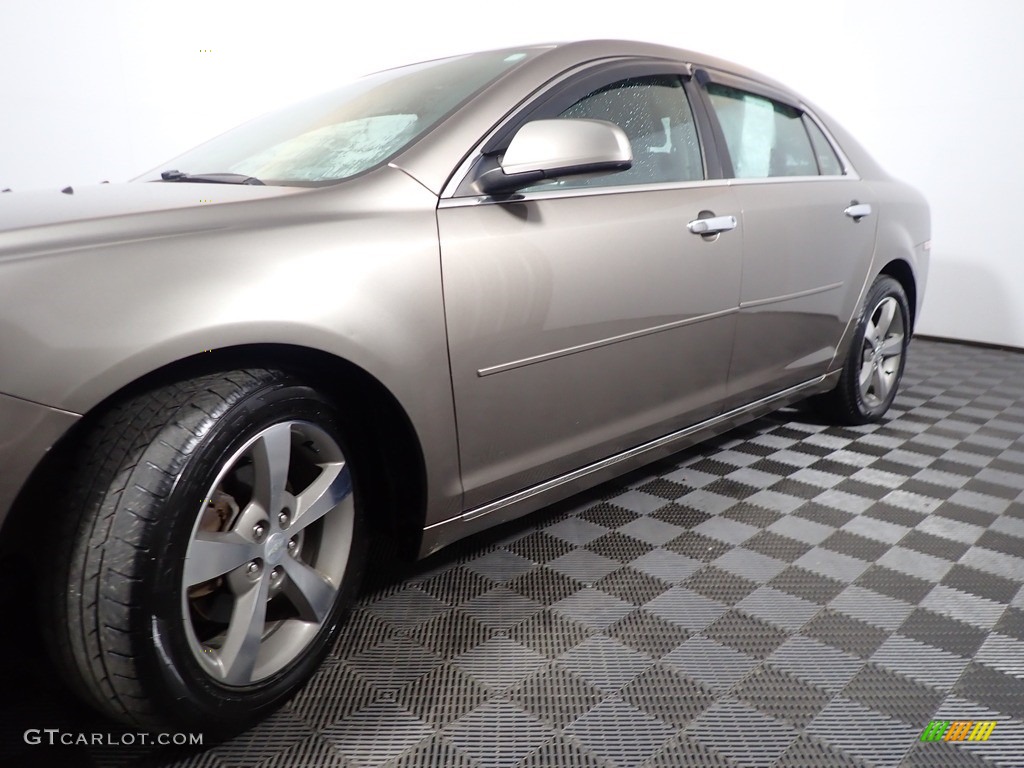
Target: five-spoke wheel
pixel 267 553
pixel 213 542
pixel 874 364
pixel 882 352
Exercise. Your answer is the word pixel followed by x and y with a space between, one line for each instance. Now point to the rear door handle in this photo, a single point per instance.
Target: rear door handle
pixel 858 211
pixel 712 226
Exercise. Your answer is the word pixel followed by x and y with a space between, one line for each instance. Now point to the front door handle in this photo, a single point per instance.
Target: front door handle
pixel 858 211
pixel 712 225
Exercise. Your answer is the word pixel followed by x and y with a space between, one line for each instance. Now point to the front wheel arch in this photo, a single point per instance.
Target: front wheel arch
pixel 387 441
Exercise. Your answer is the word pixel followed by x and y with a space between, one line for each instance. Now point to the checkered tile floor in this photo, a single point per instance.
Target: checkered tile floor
pixel 791 594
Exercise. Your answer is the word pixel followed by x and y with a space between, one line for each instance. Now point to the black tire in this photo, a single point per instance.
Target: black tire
pixel 120 623
pixel 849 403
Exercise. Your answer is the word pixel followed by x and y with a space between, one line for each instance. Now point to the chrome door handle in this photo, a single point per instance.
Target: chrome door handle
pixel 712 226
pixel 858 211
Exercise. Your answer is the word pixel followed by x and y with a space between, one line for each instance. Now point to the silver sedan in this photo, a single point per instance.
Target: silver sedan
pixel 431 301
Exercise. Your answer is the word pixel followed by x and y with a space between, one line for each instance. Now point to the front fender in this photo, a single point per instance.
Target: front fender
pixel 80 322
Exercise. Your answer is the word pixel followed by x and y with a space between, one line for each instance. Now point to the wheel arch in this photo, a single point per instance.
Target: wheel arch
pixel 384 438
pixel 901 271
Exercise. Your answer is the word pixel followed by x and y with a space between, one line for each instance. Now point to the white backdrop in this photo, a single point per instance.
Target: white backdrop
pixel 106 89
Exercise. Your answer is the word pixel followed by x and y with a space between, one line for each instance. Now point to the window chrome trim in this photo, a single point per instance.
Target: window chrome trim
pixel 848 170
pixel 793 179
pixel 545 356
pixel 558 194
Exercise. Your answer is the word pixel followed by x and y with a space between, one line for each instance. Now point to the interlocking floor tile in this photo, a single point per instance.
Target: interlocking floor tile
pixel 686 752
pixel 816 663
pixel 782 696
pixel 864 733
pixel 743 734
pixel 845 632
pixel 501 608
pixel 713 664
pixel 620 547
pixel 560 750
pixel 667 565
pixel 898 585
pixel 648 633
pixel 500 663
pixel 620 733
pixel 550 634
pixel 669 695
pixel 871 607
pixel 442 696
pixel 834 565
pixel 540 547
pixel 919 661
pixel 882 690
pixel 359 736
pixel 543 586
pixel 807 584
pixel 746 633
pixel 751 566
pixel 498 734
pixel 696 545
pixel 605 663
pixel 686 608
pixel 718 584
pixel 778 608
pixel 790 593
pixel 593 608
pixel 556 695
pixel 501 565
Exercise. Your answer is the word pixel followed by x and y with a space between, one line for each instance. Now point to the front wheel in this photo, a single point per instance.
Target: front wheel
pixel 873 368
pixel 212 543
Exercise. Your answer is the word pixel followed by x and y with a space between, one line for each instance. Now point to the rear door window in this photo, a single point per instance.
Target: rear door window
pixel 765 138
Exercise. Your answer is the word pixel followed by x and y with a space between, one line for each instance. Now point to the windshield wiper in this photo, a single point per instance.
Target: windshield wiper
pixel 210 178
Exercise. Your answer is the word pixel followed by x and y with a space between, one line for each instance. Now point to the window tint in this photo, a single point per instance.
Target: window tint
pixel 656 116
pixel 764 138
pixel 828 161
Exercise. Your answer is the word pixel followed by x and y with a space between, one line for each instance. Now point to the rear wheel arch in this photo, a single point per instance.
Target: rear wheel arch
pixel 901 271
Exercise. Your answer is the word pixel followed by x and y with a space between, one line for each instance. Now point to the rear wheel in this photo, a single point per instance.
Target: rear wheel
pixel 213 541
pixel 874 365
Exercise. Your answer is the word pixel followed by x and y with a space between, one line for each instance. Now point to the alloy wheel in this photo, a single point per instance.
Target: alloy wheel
pixel 267 553
pixel 882 352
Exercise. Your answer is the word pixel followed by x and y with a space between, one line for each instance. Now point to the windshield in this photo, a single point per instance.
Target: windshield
pixel 350 130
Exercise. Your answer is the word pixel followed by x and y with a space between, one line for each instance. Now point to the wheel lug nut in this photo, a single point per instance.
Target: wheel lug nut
pixel 254 568
pixel 292 544
pixel 283 519
pixel 258 530
pixel 276 574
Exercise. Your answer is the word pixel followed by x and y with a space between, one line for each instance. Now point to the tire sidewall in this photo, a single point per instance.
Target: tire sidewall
pixel 180 687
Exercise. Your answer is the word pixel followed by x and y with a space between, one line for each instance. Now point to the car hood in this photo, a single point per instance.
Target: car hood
pixel 41 218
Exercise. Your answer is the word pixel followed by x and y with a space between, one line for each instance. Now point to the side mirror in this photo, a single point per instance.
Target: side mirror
pixel 550 149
